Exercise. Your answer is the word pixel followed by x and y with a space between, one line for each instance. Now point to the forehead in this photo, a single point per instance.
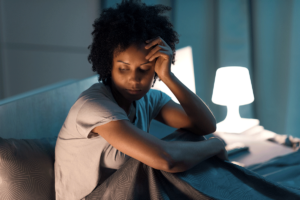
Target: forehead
pixel 133 52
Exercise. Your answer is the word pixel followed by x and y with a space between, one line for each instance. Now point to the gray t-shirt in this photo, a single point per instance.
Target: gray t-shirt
pixel 81 162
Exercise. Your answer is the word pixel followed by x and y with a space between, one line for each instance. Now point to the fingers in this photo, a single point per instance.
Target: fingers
pixel 158 40
pixel 159 54
pixel 154 50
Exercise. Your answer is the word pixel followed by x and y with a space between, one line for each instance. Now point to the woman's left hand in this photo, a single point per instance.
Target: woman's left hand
pixel 164 55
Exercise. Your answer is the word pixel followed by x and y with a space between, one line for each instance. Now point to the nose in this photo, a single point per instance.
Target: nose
pixel 135 76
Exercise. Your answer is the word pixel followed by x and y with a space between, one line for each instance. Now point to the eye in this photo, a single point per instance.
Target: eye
pixel 144 70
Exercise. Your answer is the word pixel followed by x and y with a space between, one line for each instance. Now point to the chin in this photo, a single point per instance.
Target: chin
pixel 135 96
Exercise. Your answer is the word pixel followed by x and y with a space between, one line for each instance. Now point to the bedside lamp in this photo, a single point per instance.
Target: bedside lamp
pixel 233 88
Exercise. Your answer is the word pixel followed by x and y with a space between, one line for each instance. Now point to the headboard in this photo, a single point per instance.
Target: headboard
pixel 36 115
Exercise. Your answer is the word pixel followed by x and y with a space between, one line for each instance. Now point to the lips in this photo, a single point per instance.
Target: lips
pixel 134 91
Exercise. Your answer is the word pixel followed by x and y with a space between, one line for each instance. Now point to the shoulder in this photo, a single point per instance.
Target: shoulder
pixel 97 89
pixel 98 93
pixel 97 99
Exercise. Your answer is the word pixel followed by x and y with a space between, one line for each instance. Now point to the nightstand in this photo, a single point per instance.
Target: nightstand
pixel 260 149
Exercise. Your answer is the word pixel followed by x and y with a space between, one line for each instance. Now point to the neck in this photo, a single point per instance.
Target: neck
pixel 121 101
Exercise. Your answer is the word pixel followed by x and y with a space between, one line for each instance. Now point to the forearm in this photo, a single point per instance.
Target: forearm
pixel 198 112
pixel 186 155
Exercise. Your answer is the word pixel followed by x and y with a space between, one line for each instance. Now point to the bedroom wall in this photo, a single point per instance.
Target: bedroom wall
pixel 44 42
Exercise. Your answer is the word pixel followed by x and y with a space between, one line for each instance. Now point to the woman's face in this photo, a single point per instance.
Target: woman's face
pixel 132 74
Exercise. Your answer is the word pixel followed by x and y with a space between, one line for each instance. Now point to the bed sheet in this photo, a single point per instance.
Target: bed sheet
pixel 273 156
pixel 284 169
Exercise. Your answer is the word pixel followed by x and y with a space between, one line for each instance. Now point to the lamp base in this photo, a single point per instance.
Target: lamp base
pixel 238 126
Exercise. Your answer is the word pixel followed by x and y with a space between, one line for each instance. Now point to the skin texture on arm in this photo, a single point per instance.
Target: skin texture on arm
pixel 173 157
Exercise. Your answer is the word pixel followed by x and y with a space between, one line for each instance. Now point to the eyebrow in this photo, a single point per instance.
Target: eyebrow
pixel 129 64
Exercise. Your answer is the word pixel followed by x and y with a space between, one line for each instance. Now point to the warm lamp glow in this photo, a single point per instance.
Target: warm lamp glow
pixel 233 88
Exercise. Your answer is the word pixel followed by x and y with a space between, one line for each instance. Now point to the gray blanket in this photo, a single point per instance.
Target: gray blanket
pixel 284 170
pixel 210 179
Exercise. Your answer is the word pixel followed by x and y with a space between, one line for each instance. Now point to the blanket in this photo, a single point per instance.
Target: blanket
pixel 284 170
pixel 210 179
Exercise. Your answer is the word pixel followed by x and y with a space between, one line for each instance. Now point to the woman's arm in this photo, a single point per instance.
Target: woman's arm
pixel 186 155
pixel 198 115
pixel 196 110
pixel 175 156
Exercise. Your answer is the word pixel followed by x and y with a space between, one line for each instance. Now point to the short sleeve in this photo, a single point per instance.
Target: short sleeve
pixel 158 100
pixel 95 112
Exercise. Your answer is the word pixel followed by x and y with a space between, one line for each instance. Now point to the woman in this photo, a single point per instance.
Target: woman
pixel 104 149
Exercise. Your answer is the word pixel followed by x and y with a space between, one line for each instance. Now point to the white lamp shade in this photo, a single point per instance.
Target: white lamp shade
pixel 232 86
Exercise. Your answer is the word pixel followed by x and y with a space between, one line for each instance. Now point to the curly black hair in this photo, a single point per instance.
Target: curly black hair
pixel 131 22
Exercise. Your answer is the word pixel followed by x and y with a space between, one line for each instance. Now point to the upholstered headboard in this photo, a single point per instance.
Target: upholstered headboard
pixel 40 113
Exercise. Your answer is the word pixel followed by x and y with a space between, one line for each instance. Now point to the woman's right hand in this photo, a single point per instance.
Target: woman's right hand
pixel 222 153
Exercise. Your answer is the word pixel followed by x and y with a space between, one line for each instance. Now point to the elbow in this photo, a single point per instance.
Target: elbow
pixel 212 129
pixel 170 162
pixel 167 162
pixel 172 166
pixel 211 126
pixel 168 165
pixel 204 130
pixel 208 131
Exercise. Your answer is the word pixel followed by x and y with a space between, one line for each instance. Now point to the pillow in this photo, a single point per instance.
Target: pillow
pixel 27 168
